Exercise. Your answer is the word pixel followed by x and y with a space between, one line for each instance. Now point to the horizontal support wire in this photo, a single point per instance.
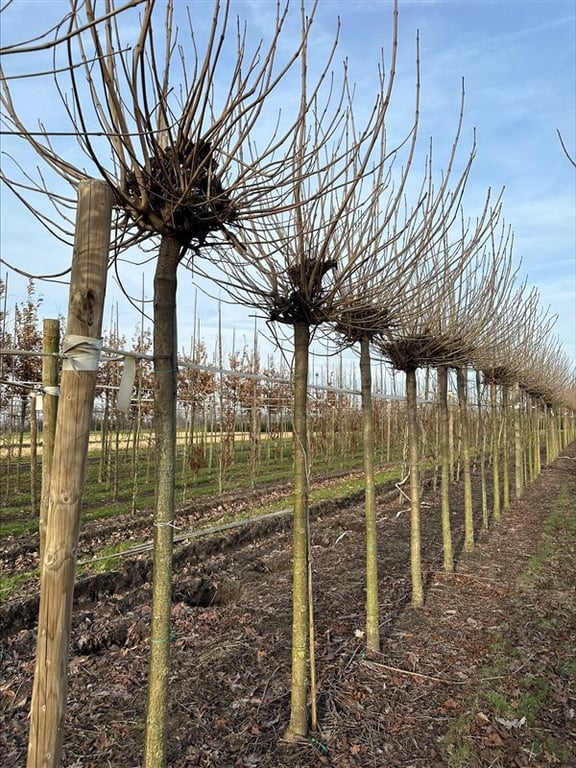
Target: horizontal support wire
pixel 109 354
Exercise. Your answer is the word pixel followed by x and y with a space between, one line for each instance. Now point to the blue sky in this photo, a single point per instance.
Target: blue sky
pixel 518 61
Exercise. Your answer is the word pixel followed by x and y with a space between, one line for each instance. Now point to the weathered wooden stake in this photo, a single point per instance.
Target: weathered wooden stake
pixel 82 343
pixel 50 345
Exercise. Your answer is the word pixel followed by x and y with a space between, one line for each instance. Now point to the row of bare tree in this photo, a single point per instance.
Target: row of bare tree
pixel 307 214
pixel 239 405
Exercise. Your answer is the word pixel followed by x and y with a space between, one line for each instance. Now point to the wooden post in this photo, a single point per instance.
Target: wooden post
pixel 82 343
pixel 50 345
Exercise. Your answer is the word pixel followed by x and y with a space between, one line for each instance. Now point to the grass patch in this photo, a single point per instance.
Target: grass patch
pixel 11 583
pixel 557 523
pixel 16 527
pixel 458 746
pixel 124 483
pixel 331 492
pixel 498 703
pixel 106 558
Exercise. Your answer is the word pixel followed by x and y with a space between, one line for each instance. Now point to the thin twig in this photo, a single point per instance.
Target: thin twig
pixel 419 675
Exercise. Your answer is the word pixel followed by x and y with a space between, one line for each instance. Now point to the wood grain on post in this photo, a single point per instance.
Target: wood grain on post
pixel 50 347
pixel 84 326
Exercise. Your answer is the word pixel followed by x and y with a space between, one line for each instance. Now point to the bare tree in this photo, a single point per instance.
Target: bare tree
pixel 26 369
pixel 174 138
pixel 505 356
pixel 401 239
pixel 435 337
pixel 54 37
pixel 478 292
pixel 305 268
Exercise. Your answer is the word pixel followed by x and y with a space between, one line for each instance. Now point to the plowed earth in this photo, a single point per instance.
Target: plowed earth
pixel 483 675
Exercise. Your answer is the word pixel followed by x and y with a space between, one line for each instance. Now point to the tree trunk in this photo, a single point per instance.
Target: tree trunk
pixel 532 424
pixel 551 435
pixel 518 444
pixel 466 470
pixel 297 729
pixel 116 467
pixel 537 458
pixel 546 429
pixel 414 465
pixel 481 447
pixel 254 440
pixel 451 449
pixel 22 422
pixel 372 618
pixel 495 450
pixel 87 289
pixel 505 450
pixel 104 446
pixel 165 383
pixel 136 459
pixel 445 468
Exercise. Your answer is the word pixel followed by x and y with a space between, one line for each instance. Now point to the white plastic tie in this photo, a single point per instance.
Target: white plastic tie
pixel 126 385
pixel 81 353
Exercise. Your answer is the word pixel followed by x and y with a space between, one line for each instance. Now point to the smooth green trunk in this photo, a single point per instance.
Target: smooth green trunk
pixel 495 453
pixel 505 450
pixel 445 466
pixel 165 384
pixel 414 465
pixel 536 443
pixel 297 729
pixel 372 616
pixel 465 450
pixel 482 448
pixel 518 444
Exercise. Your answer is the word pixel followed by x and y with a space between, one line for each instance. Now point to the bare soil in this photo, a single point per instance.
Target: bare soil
pixel 483 675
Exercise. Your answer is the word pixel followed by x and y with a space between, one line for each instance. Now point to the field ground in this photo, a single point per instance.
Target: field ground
pixel 484 675
pixel 126 439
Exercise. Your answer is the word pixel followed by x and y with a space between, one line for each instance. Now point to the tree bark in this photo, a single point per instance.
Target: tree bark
pixel 414 464
pixel 165 390
pixel 518 443
pixel 445 468
pixel 297 729
pixel 466 469
pixel 505 450
pixel 536 443
pixel 495 451
pixel 372 616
